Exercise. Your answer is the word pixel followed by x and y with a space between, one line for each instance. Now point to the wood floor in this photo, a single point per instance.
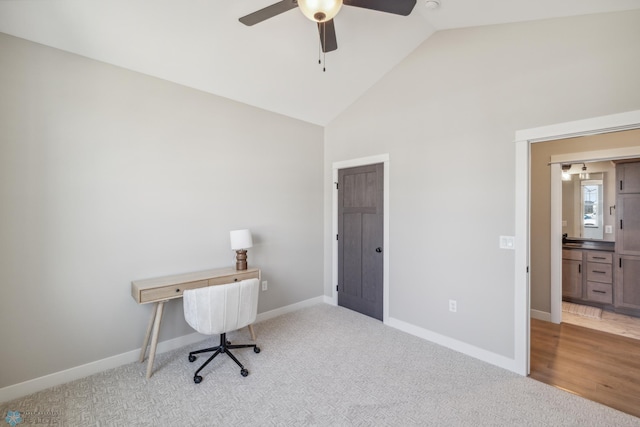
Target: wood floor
pixel 596 365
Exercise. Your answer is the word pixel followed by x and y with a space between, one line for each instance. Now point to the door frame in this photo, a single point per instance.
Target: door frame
pixel 523 140
pixel 363 161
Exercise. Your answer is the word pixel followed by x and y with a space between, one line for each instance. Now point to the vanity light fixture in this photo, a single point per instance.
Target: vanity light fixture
pixel 241 241
pixel 565 172
pixel 584 174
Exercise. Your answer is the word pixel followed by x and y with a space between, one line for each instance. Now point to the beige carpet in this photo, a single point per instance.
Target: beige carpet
pixel 582 310
pixel 320 366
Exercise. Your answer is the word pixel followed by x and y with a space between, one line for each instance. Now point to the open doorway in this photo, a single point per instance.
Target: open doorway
pixel 523 142
pixel 547 245
pixel 581 204
pixel 554 215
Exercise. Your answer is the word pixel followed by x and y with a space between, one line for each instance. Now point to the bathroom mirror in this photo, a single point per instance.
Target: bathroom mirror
pixel 588 204
pixel 591 207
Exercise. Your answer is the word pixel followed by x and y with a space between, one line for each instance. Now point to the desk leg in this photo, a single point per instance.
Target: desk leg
pixel 253 334
pixel 154 338
pixel 145 344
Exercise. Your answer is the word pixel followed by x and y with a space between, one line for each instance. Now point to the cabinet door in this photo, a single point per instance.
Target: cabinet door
pixel 628 208
pixel 628 175
pixel 571 278
pixel 627 292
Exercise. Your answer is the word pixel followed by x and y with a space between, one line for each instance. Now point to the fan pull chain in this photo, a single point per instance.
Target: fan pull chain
pixel 324 42
pixel 322 55
pixel 319 51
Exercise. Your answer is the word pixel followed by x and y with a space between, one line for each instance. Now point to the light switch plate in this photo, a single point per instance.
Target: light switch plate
pixel 608 229
pixel 507 242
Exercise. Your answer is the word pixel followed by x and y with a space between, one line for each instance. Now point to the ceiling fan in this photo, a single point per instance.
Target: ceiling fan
pixel 323 11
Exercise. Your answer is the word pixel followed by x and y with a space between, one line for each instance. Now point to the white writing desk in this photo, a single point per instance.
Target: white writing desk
pixel 161 289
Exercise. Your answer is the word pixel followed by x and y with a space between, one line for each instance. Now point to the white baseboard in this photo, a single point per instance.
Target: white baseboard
pixel 289 308
pixel 37 384
pixel 330 301
pixel 459 346
pixel 540 315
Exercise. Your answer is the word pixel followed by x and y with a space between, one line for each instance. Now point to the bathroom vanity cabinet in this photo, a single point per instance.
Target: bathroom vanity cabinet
pixel 587 276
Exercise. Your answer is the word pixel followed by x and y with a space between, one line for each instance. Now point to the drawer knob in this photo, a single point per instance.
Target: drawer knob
pixel 178 290
pixel 235 279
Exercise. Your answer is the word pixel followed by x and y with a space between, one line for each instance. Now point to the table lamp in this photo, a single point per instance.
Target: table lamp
pixel 240 242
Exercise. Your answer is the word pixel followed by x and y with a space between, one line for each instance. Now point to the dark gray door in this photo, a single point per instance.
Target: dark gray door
pixel 360 231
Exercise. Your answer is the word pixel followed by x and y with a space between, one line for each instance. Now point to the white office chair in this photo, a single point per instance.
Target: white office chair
pixel 220 309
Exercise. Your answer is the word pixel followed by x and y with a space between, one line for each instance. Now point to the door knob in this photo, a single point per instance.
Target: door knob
pixel 378 249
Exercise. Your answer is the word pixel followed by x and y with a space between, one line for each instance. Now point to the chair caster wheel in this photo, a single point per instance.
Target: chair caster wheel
pixel 197 379
pixel 244 372
pixel 192 358
pixel 228 342
pixel 256 349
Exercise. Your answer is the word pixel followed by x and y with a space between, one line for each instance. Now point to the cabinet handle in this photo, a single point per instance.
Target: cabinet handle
pixel 620 262
pixel 599 292
pixel 598 257
pixel 620 185
pixel 620 224
pixel 579 268
pixel 598 271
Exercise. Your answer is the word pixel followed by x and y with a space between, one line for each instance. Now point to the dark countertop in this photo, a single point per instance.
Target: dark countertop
pixel 592 245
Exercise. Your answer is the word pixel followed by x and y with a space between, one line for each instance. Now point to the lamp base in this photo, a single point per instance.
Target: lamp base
pixel 241 259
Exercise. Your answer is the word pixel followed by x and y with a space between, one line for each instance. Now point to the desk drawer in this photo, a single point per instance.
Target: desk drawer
pixel 169 292
pixel 597 272
pixel 600 292
pixel 236 277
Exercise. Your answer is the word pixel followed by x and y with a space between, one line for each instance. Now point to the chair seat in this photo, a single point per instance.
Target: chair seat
pixel 220 309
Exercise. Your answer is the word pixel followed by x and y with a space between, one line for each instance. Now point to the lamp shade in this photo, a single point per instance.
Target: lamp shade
pixel 320 10
pixel 241 239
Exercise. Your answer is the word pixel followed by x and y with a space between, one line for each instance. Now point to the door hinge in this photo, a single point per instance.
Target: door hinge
pixel 527 268
pixel 337 289
pixel 336 237
pixel 337 185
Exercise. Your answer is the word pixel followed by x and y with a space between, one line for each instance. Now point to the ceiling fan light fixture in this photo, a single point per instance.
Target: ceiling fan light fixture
pixel 432 4
pixel 320 10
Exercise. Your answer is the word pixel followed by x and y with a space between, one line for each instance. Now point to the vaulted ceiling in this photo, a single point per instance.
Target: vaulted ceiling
pixel 272 65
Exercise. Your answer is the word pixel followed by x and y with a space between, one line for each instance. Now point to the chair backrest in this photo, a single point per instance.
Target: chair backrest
pixel 221 308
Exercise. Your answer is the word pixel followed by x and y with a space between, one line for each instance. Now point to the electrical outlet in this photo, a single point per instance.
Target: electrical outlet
pixel 453 305
pixel 265 285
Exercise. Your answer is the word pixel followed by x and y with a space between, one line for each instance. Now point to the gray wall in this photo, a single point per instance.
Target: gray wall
pixel 107 176
pixel 447 116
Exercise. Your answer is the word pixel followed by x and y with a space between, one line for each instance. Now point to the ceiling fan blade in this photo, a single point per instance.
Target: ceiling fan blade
pixel 399 7
pixel 268 12
pixel 327 32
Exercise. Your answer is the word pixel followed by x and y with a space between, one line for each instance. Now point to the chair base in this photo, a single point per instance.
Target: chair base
pixel 224 347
